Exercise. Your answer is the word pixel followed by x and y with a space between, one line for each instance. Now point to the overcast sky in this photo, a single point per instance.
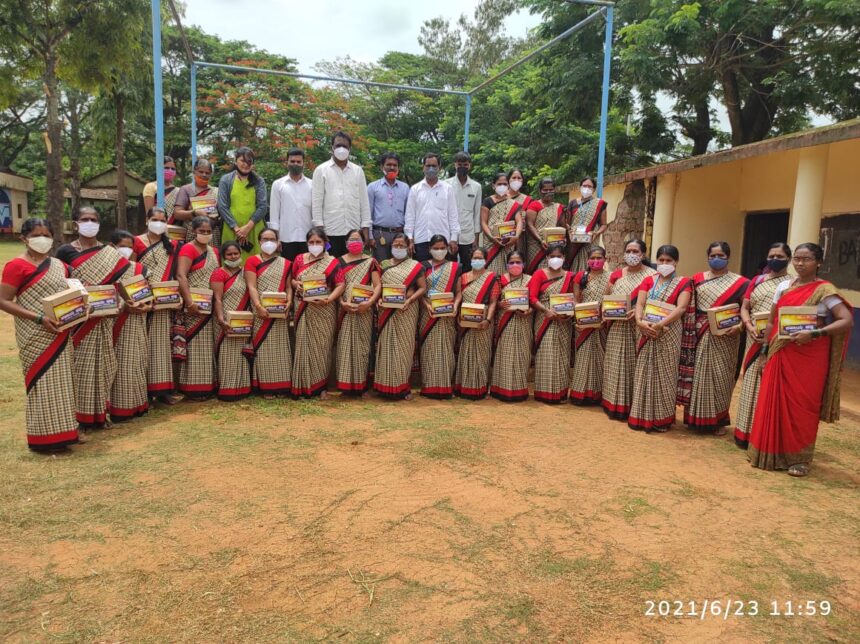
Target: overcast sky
pixel 315 30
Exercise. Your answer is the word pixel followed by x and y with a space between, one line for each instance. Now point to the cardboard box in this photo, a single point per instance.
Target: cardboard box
pixel 615 307
pixel 314 289
pixel 760 321
pixel 657 311
pixel 587 315
pixel 275 302
pixel 176 233
pixel 797 318
pixel 67 308
pixel 578 235
pixel 722 319
pixel 360 293
pixel 241 324
pixel 136 289
pixel 518 298
pixel 442 304
pixel 202 297
pixel 166 296
pixel 471 315
pixel 103 300
pixel 206 203
pixel 506 230
pixel 563 303
pixel 393 297
pixel 554 235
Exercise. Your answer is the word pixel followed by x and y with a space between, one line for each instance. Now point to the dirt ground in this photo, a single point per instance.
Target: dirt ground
pixel 364 520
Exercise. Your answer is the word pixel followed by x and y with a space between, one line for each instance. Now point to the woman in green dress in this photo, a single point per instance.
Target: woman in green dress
pixel 242 203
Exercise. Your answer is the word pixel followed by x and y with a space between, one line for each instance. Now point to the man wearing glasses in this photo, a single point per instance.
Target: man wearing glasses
pixel 387 197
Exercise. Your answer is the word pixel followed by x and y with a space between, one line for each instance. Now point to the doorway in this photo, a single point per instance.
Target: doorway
pixel 761 229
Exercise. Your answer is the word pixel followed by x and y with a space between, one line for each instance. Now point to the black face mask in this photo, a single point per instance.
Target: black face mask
pixel 462 172
pixel 777 265
pixel 294 169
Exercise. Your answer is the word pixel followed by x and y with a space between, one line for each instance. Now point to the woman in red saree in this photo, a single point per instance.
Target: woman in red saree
pixel 514 337
pixel 587 217
pixel 95 359
pixel 586 383
pixel 801 380
pixel 45 353
pixel 545 213
pixel 499 208
pixel 230 293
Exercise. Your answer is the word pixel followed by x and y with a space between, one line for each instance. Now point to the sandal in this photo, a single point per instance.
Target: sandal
pixel 721 431
pixel 801 469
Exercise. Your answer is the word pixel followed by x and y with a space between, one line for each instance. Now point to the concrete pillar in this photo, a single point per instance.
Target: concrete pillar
pixel 804 222
pixel 664 211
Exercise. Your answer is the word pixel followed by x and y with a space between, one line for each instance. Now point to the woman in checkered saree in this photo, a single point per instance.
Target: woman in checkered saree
pixel 230 293
pixel 197 261
pixel 758 300
pixel 659 346
pixel 438 335
pixel 355 323
pixel 268 272
pixel 513 338
pixel 46 355
pixel 157 253
pixel 516 184
pixel 586 383
pixel 552 330
pixel 396 328
pixel 545 213
pixel 716 356
pixel 620 357
pixel 496 209
pixel 315 319
pixel 128 397
pixel 95 360
pixel 478 286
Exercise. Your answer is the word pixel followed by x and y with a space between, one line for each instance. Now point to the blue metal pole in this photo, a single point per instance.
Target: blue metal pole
pixel 158 115
pixel 193 114
pixel 604 99
pixel 468 121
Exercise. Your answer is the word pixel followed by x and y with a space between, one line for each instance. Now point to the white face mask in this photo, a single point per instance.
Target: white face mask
pixel 269 247
pixel 632 259
pixel 88 228
pixel 586 192
pixel 399 253
pixel 665 269
pixel 157 227
pixel 555 262
pixel 501 190
pixel 203 238
pixel 341 153
pixel 516 184
pixel 316 249
pixel 41 244
pixel 439 253
pixel 125 251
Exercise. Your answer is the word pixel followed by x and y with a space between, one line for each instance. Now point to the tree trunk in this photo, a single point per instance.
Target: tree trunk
pixel 53 143
pixel 73 114
pixel 121 197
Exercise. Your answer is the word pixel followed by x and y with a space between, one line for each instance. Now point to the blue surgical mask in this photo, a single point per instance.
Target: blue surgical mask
pixel 479 264
pixel 718 263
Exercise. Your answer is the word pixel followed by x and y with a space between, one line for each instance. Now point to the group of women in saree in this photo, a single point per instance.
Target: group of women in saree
pixel 638 368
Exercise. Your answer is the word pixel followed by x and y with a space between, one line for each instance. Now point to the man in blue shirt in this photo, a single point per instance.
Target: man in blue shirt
pixel 387 197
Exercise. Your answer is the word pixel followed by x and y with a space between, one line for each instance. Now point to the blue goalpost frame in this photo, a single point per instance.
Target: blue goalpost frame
pixel 607 9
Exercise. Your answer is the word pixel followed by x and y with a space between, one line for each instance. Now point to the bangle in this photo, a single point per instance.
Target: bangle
pixel 39 318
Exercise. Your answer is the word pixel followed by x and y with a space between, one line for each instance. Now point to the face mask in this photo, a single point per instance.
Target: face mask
pixel 501 190
pixel 355 247
pixel 478 264
pixel 555 262
pixel 516 184
pixel 399 253
pixel 295 169
pixel 233 263
pixel 586 192
pixel 665 269
pixel 169 174
pixel 124 251
pixel 341 153
pixel 439 253
pixel 596 264
pixel 204 238
pixel 632 259
pixel 41 244
pixel 431 173
pixel 547 196
pixel 200 182
pixel 157 227
pixel 391 176
pixel 269 247
pixel 315 249
pixel 515 269
pixel 718 263
pixel 88 228
pixel 462 172
pixel 777 265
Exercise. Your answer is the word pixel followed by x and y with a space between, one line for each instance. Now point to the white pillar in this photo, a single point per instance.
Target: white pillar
pixel 804 223
pixel 664 211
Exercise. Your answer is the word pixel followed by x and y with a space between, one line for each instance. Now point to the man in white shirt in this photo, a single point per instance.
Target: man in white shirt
pixel 339 201
pixel 290 206
pixel 467 192
pixel 431 210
